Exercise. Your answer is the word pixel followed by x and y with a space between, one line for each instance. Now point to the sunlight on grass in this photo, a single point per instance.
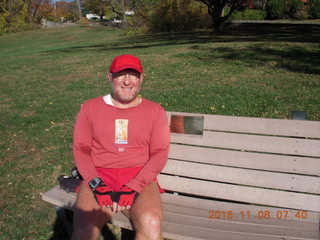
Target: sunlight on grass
pixel 46 74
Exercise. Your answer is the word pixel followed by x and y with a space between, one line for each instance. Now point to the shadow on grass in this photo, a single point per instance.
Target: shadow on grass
pixel 296 59
pixel 62 229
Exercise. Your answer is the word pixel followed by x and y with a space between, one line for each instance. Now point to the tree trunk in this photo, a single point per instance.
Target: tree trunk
pixel 217 28
pixel 79 9
pixel 217 19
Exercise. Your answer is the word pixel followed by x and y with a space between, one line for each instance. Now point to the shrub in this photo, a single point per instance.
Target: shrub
pixel 172 16
pixel 302 13
pixel 297 10
pixel 294 7
pixel 3 22
pixel 314 8
pixel 249 14
pixel 12 21
pixel 84 22
pixel 275 9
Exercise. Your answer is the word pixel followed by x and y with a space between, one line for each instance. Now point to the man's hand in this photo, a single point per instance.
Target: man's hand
pixel 126 197
pixel 104 195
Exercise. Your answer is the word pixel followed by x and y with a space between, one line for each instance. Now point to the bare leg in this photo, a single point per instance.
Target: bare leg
pixel 146 214
pixel 89 217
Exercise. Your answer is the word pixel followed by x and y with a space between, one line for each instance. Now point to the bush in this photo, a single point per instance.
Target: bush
pixel 297 10
pixel 84 22
pixel 314 8
pixel 294 7
pixel 179 15
pixel 3 22
pixel 15 20
pixel 171 16
pixel 275 9
pixel 249 14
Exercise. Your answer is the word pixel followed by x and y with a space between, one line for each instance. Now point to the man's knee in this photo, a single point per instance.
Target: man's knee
pixel 150 224
pixel 86 232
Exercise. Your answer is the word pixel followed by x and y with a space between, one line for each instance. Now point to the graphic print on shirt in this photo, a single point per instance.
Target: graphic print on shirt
pixel 121 131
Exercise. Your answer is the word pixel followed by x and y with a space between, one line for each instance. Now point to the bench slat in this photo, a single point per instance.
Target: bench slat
pixel 195 233
pixel 238 227
pixel 59 197
pixel 267 126
pixel 240 217
pixel 176 231
pixel 219 228
pixel 254 143
pixel 201 207
pixel 279 163
pixel 291 182
pixel 241 193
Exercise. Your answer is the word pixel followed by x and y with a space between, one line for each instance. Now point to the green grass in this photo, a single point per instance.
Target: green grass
pixel 258 71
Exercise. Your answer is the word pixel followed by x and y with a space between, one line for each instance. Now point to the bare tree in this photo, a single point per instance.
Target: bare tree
pixel 215 10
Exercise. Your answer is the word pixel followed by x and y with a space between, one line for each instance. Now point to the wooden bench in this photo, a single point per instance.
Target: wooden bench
pixel 241 178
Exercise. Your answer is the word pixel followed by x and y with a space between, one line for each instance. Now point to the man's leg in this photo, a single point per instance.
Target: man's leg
pixel 89 217
pixel 146 214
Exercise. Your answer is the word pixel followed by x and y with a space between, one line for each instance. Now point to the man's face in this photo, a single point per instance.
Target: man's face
pixel 126 85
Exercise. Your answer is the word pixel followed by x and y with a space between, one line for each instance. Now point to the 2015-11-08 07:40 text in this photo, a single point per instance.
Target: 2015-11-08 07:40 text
pixel 262 214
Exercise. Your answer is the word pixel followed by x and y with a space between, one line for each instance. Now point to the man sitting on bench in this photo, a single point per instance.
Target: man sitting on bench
pixel 121 143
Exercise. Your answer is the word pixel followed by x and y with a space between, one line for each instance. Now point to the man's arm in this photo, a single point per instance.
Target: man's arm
pixel 158 153
pixel 82 143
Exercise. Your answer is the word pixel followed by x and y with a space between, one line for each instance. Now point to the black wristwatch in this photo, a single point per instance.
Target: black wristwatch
pixel 94 183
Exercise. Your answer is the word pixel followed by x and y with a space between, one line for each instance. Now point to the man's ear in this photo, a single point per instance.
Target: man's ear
pixel 110 77
pixel 141 77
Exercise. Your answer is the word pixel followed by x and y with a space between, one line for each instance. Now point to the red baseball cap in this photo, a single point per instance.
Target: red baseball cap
pixel 124 62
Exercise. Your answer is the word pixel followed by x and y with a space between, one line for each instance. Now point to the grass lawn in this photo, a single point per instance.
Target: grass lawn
pixel 260 71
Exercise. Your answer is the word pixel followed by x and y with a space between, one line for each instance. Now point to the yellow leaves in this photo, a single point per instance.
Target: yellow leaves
pixel 213 108
pixel 164 104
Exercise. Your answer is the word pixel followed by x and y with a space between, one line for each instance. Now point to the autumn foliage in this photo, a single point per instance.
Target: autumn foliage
pixel 20 14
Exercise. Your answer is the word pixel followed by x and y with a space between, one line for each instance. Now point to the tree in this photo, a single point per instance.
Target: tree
pixel 99 7
pixel 45 11
pixel 216 7
pixel 67 10
pixel 13 14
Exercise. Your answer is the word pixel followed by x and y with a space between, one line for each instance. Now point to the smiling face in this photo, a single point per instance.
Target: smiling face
pixel 126 85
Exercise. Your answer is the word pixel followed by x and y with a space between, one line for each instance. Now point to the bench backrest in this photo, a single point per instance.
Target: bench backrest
pixel 270 162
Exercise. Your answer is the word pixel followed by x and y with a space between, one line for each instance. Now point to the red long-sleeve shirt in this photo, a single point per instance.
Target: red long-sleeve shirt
pixel 109 137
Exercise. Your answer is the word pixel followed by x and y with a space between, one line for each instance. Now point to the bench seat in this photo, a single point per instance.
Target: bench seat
pixel 187 215
pixel 236 178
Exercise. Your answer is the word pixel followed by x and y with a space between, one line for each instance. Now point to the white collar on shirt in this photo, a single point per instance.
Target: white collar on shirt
pixel 108 99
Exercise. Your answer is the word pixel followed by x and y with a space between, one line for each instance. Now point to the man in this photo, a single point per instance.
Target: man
pixel 121 143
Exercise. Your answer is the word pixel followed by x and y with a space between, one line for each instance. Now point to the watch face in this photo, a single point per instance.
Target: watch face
pixel 94 183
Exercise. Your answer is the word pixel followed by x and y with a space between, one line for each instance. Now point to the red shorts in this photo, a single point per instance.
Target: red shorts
pixel 117 177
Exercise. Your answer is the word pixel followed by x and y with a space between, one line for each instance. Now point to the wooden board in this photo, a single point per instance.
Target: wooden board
pixel 241 193
pixel 238 227
pixel 177 231
pixel 272 162
pixel 201 207
pixel 253 143
pixel 59 197
pixel 290 182
pixel 265 126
